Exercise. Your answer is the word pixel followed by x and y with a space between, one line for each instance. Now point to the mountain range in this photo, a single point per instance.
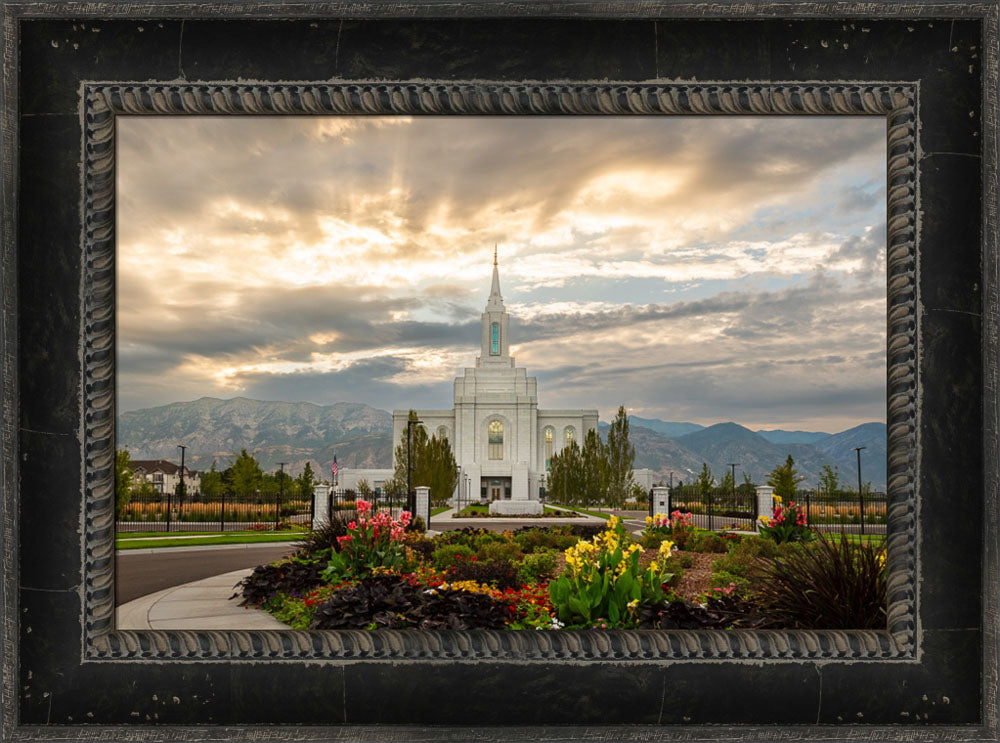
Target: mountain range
pixel 361 436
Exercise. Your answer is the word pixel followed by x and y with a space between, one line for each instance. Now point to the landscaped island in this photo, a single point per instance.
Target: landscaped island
pixel 376 572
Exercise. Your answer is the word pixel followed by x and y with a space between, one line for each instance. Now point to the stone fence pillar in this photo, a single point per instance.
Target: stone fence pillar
pixel 423 505
pixel 661 500
pixel 765 502
pixel 321 505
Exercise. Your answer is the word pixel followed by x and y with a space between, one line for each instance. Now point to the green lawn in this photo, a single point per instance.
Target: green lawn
pixel 473 509
pixel 209 533
pixel 876 538
pixel 251 538
pixel 439 509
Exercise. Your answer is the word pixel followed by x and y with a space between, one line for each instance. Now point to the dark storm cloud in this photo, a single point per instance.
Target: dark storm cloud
pixel 366 380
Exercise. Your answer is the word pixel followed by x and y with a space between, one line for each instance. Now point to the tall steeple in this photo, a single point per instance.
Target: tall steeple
pixel 495 302
pixel 496 321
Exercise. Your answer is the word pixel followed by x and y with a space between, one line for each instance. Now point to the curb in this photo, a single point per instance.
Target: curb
pixel 202 548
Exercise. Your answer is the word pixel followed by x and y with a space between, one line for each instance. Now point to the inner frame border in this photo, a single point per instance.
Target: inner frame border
pixel 102 102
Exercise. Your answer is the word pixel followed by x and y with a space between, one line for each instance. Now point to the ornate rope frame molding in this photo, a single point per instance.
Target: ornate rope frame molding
pixel 102 102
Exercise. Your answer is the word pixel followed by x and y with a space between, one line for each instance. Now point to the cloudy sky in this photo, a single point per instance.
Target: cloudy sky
pixel 694 268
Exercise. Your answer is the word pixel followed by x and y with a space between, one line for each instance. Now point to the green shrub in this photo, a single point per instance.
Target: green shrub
pixel 500 551
pixel 706 541
pixel 324 537
pixel 538 540
pixel 831 584
pixel 417 525
pixel 537 566
pixel 674 568
pixel 500 574
pixel 723 579
pixel 450 554
pixel 652 541
pixel 743 557
pixel 683 560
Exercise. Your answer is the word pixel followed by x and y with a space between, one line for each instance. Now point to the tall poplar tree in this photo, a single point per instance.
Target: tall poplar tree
pixel 595 469
pixel 621 456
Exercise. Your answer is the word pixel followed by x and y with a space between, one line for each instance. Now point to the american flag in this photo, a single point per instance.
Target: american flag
pixel 334 468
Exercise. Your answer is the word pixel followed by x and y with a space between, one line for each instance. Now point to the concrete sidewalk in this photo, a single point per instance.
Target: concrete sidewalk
pixel 202 604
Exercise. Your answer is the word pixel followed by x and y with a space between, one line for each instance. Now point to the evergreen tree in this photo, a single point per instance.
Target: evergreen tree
pixel 621 455
pixel 438 470
pixel 594 460
pixel 244 475
pixel 307 482
pixel 123 479
pixel 211 483
pixel 748 486
pixel 417 448
pixel 566 476
pixel 829 481
pixel 785 479
pixel 433 463
pixel 705 482
pixel 727 485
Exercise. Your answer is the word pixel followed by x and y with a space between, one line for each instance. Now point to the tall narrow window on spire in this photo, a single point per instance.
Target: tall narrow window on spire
pixel 495 339
pixel 496 440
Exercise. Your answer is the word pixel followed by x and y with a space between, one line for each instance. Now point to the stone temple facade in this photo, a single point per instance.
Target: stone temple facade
pixel 501 439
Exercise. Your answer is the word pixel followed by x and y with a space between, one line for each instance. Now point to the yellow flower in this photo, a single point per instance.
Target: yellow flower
pixel 649 520
pixel 777 498
pixel 666 547
pixel 613 522
pixel 654 566
pixel 633 605
pixel 762 518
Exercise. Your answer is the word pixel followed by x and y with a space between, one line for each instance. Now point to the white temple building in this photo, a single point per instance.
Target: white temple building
pixel 501 440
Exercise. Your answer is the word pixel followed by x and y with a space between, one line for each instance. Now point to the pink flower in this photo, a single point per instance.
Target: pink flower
pixel 363 506
pixel 352 525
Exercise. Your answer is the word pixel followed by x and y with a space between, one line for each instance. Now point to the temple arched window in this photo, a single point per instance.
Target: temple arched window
pixel 442 433
pixel 496 440
pixel 550 436
pixel 570 434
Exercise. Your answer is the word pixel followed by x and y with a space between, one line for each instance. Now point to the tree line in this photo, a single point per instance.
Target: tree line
pixel 599 473
pixel 785 479
pixel 242 480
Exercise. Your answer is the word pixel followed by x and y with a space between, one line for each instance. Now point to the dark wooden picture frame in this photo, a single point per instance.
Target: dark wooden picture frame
pixel 69 70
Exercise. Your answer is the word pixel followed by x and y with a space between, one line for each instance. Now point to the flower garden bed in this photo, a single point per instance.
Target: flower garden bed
pixel 374 573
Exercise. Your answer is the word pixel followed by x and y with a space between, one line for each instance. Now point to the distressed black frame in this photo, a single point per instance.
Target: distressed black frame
pixel 937 661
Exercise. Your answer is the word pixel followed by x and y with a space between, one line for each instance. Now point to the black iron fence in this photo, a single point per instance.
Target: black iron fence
pixel 718 509
pixel 847 511
pixel 343 503
pixel 195 512
pixel 841 511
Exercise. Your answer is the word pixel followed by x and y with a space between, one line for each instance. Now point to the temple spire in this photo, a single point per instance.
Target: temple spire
pixel 496 300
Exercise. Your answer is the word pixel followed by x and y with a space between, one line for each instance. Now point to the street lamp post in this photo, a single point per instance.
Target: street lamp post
pixel 180 501
pixel 410 505
pixel 861 495
pixel 732 465
pixel 281 493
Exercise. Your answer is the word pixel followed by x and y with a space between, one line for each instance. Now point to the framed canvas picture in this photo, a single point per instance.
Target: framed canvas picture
pixel 810 188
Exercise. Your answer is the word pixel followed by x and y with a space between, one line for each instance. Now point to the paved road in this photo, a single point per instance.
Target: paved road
pixel 139 574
